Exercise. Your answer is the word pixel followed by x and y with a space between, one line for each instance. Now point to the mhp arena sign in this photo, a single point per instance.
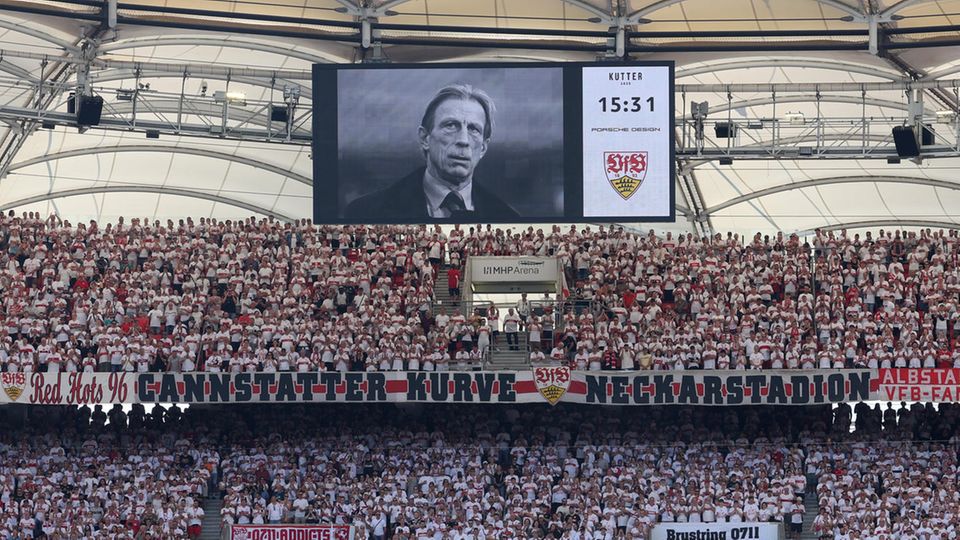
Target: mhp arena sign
pixel 513 269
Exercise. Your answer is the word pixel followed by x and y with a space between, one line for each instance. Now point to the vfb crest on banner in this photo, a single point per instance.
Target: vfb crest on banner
pixel 625 171
pixel 552 382
pixel 13 384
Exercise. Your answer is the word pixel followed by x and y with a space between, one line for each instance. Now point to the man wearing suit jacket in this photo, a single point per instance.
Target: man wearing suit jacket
pixel 454 135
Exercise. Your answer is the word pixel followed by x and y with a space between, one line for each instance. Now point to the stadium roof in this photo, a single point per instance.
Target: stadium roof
pixel 260 48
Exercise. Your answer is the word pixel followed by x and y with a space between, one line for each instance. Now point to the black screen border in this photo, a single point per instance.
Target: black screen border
pixel 326 176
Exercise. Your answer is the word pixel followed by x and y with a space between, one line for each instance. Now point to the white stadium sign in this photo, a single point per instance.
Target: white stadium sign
pixel 715 531
pixel 513 269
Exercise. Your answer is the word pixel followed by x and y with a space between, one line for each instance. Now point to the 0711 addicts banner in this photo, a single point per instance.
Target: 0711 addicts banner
pixel 493 142
pixel 291 532
pixel 541 385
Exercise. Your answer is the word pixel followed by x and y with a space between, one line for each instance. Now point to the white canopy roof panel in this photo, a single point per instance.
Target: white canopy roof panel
pixel 261 48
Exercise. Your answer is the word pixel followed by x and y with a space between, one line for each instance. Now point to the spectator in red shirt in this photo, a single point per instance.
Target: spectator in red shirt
pixel 629 297
pixel 453 283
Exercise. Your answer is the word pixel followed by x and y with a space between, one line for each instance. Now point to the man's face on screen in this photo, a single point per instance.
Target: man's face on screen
pixel 455 144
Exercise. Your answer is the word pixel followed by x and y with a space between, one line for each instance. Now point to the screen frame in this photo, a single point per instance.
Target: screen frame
pixel 325 148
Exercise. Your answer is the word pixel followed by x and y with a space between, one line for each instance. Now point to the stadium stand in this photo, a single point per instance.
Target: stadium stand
pixel 86 480
pixel 467 472
pixel 265 296
pixel 721 381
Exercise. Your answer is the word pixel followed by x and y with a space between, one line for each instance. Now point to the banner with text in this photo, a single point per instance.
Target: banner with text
pixel 926 385
pixel 291 532
pixel 551 385
pixel 67 388
pixel 715 531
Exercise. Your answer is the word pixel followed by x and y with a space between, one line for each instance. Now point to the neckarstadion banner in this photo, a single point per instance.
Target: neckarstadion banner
pixel 541 385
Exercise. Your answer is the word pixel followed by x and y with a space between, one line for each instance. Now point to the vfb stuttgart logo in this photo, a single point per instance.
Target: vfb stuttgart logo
pixel 13 384
pixel 625 171
pixel 552 382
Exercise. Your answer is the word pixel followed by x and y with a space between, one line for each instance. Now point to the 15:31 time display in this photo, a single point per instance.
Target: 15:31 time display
pixel 626 104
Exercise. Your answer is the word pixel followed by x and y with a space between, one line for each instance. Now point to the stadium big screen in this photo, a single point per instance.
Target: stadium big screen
pixel 495 143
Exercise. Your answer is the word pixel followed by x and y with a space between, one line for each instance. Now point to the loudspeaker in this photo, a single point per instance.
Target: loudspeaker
pixel 725 130
pixel 72 103
pixel 905 141
pixel 88 113
pixel 279 113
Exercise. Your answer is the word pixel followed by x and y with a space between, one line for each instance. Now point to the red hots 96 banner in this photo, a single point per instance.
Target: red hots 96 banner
pixel 551 385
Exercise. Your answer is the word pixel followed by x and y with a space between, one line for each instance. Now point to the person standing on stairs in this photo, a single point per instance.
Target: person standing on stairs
pixel 796 518
pixel 493 318
pixel 483 337
pixel 453 284
pixel 534 332
pixel 523 309
pixel 435 252
pixel 511 327
pixel 196 521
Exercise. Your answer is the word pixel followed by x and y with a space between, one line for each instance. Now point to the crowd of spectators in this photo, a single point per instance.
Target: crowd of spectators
pixel 260 295
pixel 887 487
pixel 477 472
pixel 500 473
pixel 882 301
pixel 66 475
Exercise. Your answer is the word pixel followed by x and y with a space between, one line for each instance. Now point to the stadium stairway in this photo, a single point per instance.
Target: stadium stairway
pixel 441 291
pixel 812 508
pixel 503 358
pixel 210 529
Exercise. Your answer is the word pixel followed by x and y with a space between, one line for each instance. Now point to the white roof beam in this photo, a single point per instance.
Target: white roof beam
pixel 847 67
pixel 20 27
pixel 210 41
pixel 642 13
pixel 877 223
pixel 167 149
pixel 903 4
pixel 942 73
pixel 146 189
pixel 192 69
pixel 124 74
pixel 604 16
pixel 829 182
pixel 785 88
pixel 760 102
pixel 18 71
pixel 124 111
pixel 388 5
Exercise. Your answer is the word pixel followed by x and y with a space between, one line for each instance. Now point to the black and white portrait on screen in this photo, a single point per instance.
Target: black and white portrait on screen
pixel 462 144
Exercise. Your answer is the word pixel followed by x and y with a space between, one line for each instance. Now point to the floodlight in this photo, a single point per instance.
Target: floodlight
pixel 234 98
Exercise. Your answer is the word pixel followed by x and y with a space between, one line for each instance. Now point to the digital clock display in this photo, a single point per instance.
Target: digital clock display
pixel 628 141
pixel 633 104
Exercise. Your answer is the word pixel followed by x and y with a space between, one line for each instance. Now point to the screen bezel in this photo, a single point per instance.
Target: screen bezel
pixel 326 178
